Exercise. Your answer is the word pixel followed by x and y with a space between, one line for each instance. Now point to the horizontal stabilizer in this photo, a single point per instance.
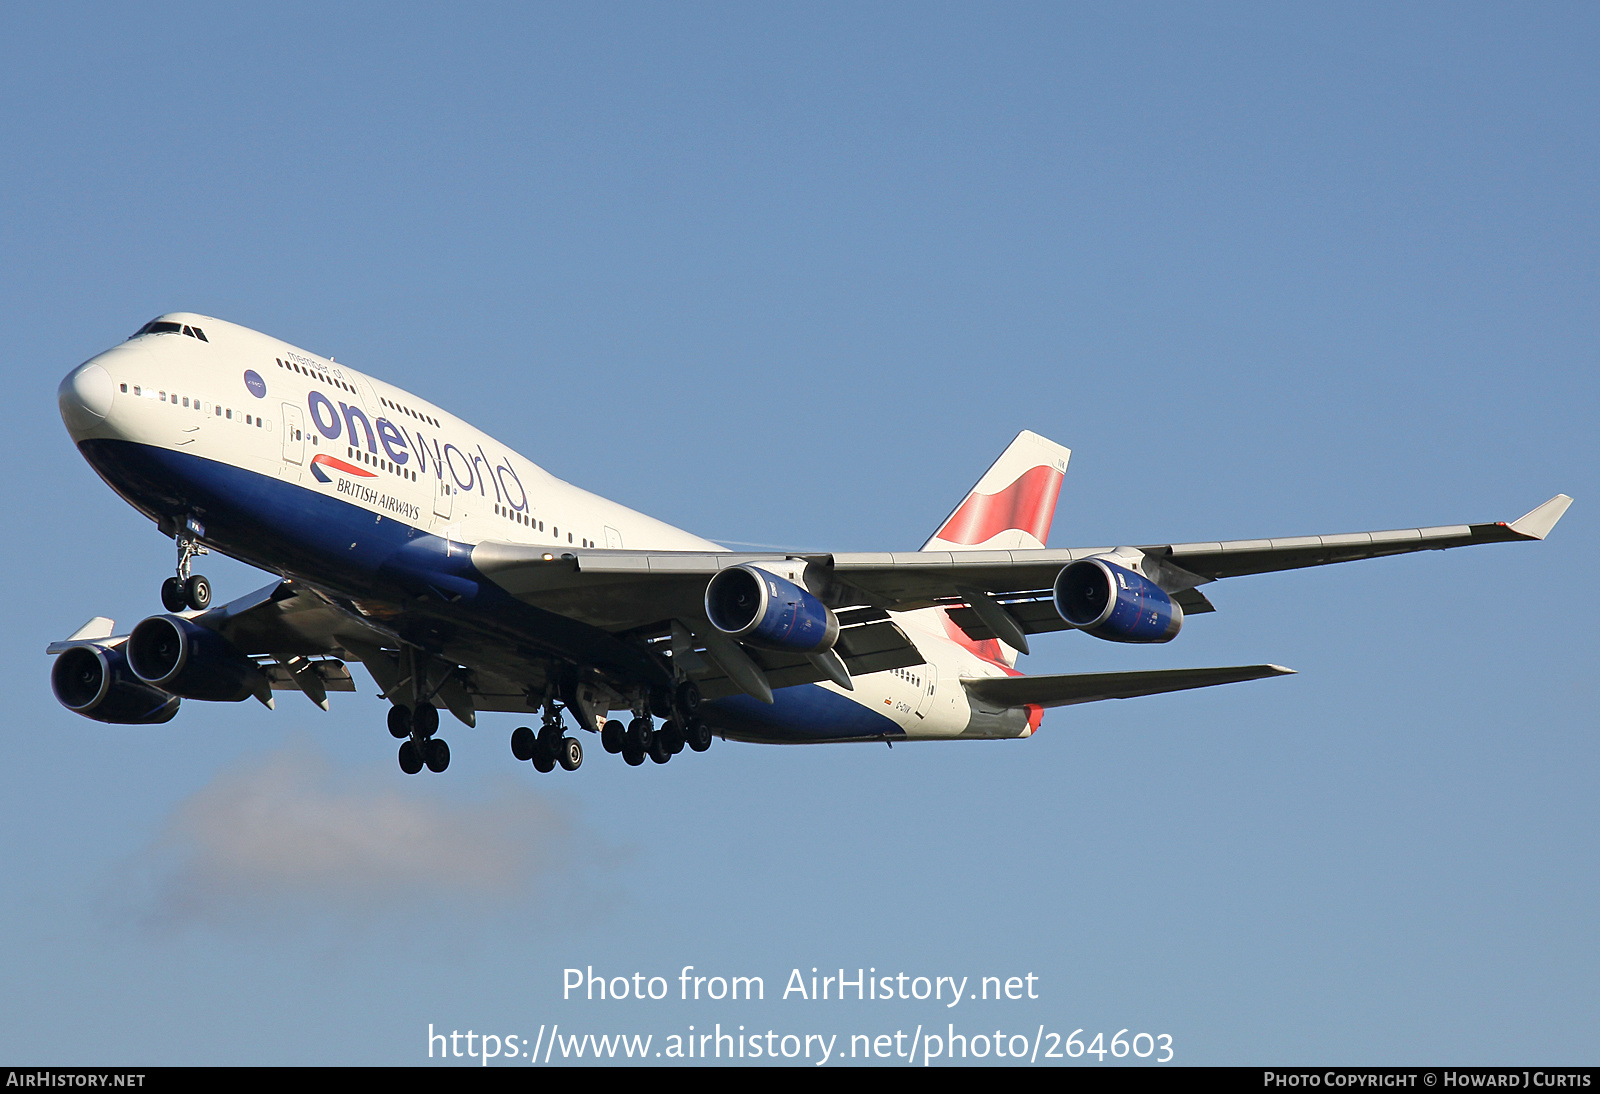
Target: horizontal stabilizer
pixel 1089 687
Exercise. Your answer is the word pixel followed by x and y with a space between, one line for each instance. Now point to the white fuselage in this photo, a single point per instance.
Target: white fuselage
pixel 250 401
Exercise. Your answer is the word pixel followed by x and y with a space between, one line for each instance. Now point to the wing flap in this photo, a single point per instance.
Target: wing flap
pixel 334 675
pixel 864 648
pixel 1090 687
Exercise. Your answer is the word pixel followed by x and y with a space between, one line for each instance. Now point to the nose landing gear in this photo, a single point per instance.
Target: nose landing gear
pixel 187 590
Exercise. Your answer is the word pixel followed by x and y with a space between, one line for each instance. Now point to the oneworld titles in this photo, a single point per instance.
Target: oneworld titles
pixel 853 984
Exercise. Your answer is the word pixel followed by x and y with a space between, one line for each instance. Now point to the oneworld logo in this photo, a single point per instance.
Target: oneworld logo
pixel 468 467
pixel 256 385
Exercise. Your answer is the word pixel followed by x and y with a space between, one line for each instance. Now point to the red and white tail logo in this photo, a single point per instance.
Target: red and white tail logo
pixel 1012 505
pixel 1010 508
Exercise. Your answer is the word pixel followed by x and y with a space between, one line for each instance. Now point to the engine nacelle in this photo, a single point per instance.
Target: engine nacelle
pixel 182 657
pixel 95 681
pixel 1114 603
pixel 763 609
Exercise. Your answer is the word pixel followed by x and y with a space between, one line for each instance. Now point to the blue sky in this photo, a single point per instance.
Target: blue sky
pixel 795 275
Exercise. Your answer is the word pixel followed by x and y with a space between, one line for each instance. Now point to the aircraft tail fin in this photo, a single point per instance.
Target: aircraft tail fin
pixel 1010 508
pixel 1012 504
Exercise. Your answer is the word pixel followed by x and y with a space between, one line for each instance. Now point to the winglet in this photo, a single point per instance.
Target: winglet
pixel 1537 523
pixel 98 627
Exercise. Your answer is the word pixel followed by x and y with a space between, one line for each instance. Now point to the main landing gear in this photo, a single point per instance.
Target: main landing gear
pixel 186 590
pixel 683 726
pixel 421 748
pixel 548 747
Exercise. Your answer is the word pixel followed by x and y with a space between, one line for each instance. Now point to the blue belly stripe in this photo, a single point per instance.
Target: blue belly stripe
pixel 806 714
pixel 287 528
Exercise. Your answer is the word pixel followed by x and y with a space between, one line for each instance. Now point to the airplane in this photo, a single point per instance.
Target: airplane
pixel 462 575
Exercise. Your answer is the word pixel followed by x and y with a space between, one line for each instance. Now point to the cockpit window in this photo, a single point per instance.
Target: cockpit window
pixel 159 326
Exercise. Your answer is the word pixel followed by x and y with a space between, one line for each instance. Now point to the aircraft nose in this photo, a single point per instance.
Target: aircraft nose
pixel 85 396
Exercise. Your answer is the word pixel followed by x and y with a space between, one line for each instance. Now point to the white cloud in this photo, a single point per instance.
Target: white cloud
pixel 284 838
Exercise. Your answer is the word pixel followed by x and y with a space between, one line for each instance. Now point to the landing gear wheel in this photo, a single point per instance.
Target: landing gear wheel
pixel 550 739
pixel 172 597
pixel 399 722
pixel 661 702
pixel 631 755
pixel 425 719
pixel 197 592
pixel 611 736
pixel 436 754
pixel 699 735
pixel 543 762
pixel 523 743
pixel 672 738
pixel 410 758
pixel 571 754
pixel 688 700
pixel 658 750
pixel 639 734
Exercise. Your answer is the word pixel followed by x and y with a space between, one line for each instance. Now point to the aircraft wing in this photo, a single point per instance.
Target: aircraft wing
pixel 622 590
pixel 295 637
pixel 1090 687
pixel 913 578
pixel 301 637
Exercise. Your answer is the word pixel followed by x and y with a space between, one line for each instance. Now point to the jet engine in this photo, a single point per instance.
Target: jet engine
pixel 182 657
pixel 753 606
pixel 95 681
pixel 1114 603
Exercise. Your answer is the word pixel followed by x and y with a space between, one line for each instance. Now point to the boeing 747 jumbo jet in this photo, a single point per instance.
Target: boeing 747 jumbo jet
pixel 462 575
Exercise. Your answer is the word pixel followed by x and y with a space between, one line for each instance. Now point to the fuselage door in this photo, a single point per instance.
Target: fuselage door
pixel 928 679
pixel 443 498
pixel 294 440
pixel 613 539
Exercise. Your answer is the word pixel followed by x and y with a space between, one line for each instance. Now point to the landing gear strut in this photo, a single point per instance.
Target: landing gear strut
pixel 638 740
pixel 187 590
pixel 680 707
pixel 549 746
pixel 420 748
